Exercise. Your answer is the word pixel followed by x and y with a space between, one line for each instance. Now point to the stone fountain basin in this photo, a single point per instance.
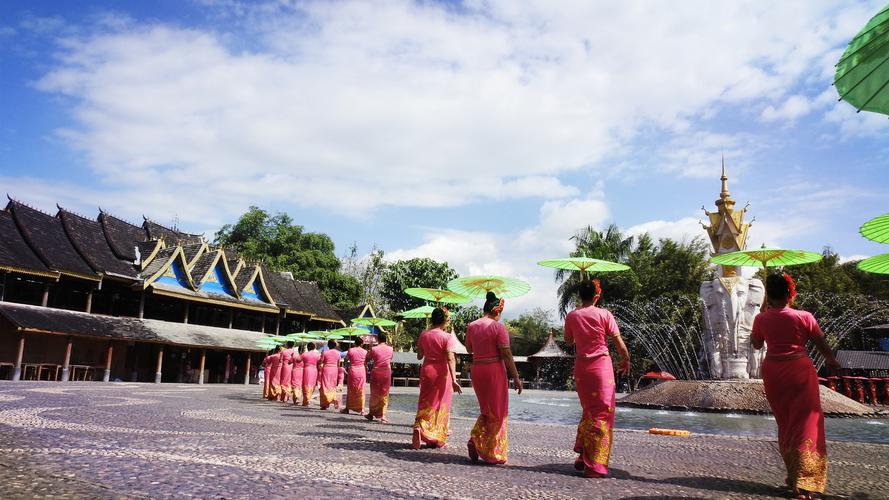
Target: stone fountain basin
pixel 734 396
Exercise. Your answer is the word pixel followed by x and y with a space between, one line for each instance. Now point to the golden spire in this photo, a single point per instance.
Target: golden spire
pixel 725 198
pixel 726 229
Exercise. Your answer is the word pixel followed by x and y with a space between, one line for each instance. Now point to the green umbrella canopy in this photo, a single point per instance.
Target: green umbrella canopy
pixel 766 257
pixel 315 334
pixel 437 295
pixel 280 338
pixel 862 76
pixel 418 312
pixel 349 331
pixel 335 336
pixel 587 264
pixel 479 286
pixel 878 264
pixel 876 229
pixel 373 322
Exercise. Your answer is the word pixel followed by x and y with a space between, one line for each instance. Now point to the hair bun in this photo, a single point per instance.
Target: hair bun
pixel 490 296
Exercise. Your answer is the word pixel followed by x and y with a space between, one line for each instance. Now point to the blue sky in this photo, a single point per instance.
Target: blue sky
pixel 481 133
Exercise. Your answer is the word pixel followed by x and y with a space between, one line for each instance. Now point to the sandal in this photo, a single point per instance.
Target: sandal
pixel 473 452
pixel 415 439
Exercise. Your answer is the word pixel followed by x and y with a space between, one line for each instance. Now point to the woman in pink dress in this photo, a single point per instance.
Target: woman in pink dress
pixel 266 372
pixel 275 375
pixel 340 377
pixel 588 327
pixel 791 385
pixel 438 381
pixel 310 358
pixel 330 363
pixel 380 378
pixel 488 342
pixel 296 376
pixel 357 358
pixel 286 372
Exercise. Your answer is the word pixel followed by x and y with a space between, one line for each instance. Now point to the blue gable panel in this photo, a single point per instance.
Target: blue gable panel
pixel 216 283
pixel 174 275
pixel 254 292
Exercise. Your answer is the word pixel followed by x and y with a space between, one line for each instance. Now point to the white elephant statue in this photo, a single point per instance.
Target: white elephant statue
pixel 730 304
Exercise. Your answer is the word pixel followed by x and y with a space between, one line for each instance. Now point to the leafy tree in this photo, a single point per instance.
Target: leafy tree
pixel 285 246
pixel 830 275
pixel 368 271
pixel 530 330
pixel 412 273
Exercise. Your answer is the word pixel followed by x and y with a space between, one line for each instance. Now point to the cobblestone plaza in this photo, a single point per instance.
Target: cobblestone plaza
pixel 139 440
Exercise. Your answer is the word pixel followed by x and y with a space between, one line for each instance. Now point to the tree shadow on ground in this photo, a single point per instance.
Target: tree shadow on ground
pixel 332 435
pixel 724 485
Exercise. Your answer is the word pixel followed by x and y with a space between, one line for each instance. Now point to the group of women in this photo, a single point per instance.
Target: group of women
pixel 292 375
pixel 789 377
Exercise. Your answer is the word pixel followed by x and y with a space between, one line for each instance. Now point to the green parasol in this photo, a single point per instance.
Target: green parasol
pixel 418 312
pixel 766 257
pixel 335 336
pixel 349 331
pixel 479 286
pixel 878 264
pixel 373 322
pixel 437 295
pixel 862 76
pixel 876 229
pixel 585 264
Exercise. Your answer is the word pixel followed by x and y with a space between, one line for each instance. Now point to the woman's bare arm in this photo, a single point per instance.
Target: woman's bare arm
pixel 452 370
pixel 506 354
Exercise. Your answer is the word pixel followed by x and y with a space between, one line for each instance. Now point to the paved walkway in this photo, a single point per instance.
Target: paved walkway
pixel 143 440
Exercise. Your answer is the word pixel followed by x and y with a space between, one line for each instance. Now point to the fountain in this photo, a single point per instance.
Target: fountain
pixel 706 342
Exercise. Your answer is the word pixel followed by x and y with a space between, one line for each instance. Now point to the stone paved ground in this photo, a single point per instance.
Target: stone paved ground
pixel 142 440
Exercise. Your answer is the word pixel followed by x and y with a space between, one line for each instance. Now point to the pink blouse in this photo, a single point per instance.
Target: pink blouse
pixel 587 327
pixel 356 356
pixel 484 337
pixel 297 360
pixel 785 330
pixel 331 357
pixel 436 344
pixel 381 355
pixel 311 358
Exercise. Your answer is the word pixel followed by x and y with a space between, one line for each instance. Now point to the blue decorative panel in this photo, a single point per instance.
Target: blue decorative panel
pixel 217 283
pixel 174 275
pixel 254 292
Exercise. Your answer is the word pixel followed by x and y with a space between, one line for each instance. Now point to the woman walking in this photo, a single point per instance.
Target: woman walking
pixel 588 327
pixel 380 379
pixel 286 373
pixel 266 374
pixel 296 376
pixel 488 342
pixel 330 363
pixel 275 375
pixel 310 358
pixel 791 385
pixel 438 381
pixel 357 358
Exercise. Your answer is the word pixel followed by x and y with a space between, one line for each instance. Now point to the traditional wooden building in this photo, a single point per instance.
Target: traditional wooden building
pixel 104 299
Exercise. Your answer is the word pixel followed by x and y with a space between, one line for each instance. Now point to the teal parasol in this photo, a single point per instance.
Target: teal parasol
pixel 418 312
pixel 349 331
pixel 766 257
pixel 437 295
pixel 878 264
pixel 876 229
pixel 373 321
pixel 584 264
pixel 479 286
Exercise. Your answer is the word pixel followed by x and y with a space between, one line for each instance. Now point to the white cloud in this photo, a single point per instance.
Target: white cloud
pixel 684 229
pixel 319 104
pixel 794 107
pixel 851 258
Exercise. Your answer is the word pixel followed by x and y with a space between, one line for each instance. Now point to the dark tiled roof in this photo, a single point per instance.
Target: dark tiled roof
pixel 46 236
pixel 63 322
pixel 191 251
pixel 155 265
pixel 14 251
pixel 170 236
pixel 233 265
pixel 349 314
pixel 243 277
pixel 146 249
pixel 203 265
pixel 122 236
pixel 285 292
pixel 312 296
pixel 88 239
pixel 864 360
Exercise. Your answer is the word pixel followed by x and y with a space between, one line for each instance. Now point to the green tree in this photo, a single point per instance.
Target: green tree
pixel 530 330
pixel 285 246
pixel 412 273
pixel 368 270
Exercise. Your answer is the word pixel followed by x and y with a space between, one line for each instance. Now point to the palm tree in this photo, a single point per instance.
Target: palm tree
pixel 607 245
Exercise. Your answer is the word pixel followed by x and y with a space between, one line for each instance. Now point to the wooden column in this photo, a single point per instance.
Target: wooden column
pixel 17 369
pixel 160 365
pixel 106 377
pixel 203 362
pixel 66 364
pixel 89 302
pixel 3 288
pixel 185 316
pixel 45 300
pixel 278 325
pixel 263 323
pixel 231 318
pixel 247 370
pixel 142 305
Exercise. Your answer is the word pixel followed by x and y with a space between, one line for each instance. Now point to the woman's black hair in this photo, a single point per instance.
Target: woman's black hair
pixel 491 301
pixel 299 349
pixel 382 337
pixel 310 346
pixel 438 316
pixel 586 290
pixel 777 287
pixel 331 344
pixel 289 344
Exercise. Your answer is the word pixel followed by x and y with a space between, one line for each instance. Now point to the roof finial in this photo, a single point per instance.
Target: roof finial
pixel 724 194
